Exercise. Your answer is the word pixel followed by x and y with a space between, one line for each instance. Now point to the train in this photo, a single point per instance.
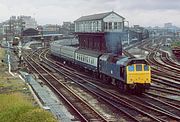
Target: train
pixel 128 74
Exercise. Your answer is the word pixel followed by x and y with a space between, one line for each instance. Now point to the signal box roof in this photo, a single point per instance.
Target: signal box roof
pixel 96 16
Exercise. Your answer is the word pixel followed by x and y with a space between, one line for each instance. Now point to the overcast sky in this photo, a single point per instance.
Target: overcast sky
pixel 142 12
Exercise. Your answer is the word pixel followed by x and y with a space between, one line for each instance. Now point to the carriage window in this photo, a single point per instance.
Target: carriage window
pixel 93 61
pixel 146 68
pixel 138 67
pixel 131 68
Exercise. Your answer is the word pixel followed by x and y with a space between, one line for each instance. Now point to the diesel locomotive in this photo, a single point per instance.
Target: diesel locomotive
pixel 128 74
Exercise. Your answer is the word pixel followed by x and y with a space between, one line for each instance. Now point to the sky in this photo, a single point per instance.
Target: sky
pixel 137 12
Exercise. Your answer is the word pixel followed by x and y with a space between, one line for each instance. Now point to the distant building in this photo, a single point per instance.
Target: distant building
pixel 136 33
pixel 136 26
pixel 72 28
pixel 1 29
pixel 68 28
pixel 66 25
pixel 168 25
pixel 15 25
pixel 170 29
pixel 27 21
pixel 6 30
pixel 50 29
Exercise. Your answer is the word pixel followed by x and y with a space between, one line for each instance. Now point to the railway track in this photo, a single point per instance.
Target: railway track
pixel 129 104
pixel 160 68
pixel 158 73
pixel 163 76
pixel 127 117
pixel 121 107
pixel 80 107
pixel 136 110
pixel 167 99
pixel 165 90
pixel 152 59
pixel 166 59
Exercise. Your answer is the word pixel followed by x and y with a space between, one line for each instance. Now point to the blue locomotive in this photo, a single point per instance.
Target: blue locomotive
pixel 126 73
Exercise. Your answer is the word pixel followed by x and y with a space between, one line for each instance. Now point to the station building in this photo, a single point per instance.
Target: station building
pixel 101 32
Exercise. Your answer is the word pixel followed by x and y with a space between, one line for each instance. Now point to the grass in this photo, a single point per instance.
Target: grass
pixel 16 108
pixel 176 44
pixel 16 101
pixel 10 84
pixel 2 53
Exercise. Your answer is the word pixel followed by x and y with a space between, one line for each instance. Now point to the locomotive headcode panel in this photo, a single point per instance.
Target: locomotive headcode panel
pixel 138 73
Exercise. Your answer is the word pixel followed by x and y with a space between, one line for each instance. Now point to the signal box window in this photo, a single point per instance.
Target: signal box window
pixel 106 25
pixel 110 25
pixel 115 25
pixel 131 68
pixel 119 25
pixel 146 68
pixel 138 67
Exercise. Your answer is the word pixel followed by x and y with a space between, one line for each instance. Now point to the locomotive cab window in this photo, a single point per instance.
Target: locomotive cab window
pixel 146 67
pixel 131 68
pixel 138 67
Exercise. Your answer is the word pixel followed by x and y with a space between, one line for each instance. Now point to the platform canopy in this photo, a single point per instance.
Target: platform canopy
pixel 30 32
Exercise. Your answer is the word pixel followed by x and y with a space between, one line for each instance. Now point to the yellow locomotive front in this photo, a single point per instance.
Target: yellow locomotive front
pixel 138 74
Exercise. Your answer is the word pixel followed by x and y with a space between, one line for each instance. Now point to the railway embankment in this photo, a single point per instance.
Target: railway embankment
pixel 16 102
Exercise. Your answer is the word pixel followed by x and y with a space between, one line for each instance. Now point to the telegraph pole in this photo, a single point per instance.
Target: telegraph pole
pixel 127 32
pixel 6 34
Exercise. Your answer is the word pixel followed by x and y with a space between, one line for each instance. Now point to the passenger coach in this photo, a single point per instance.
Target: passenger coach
pixel 88 59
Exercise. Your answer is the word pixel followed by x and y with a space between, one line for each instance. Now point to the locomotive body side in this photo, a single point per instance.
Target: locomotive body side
pixel 112 69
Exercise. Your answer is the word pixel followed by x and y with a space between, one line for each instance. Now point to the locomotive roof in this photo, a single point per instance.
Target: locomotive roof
pixel 136 60
pixel 121 60
pixel 108 55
